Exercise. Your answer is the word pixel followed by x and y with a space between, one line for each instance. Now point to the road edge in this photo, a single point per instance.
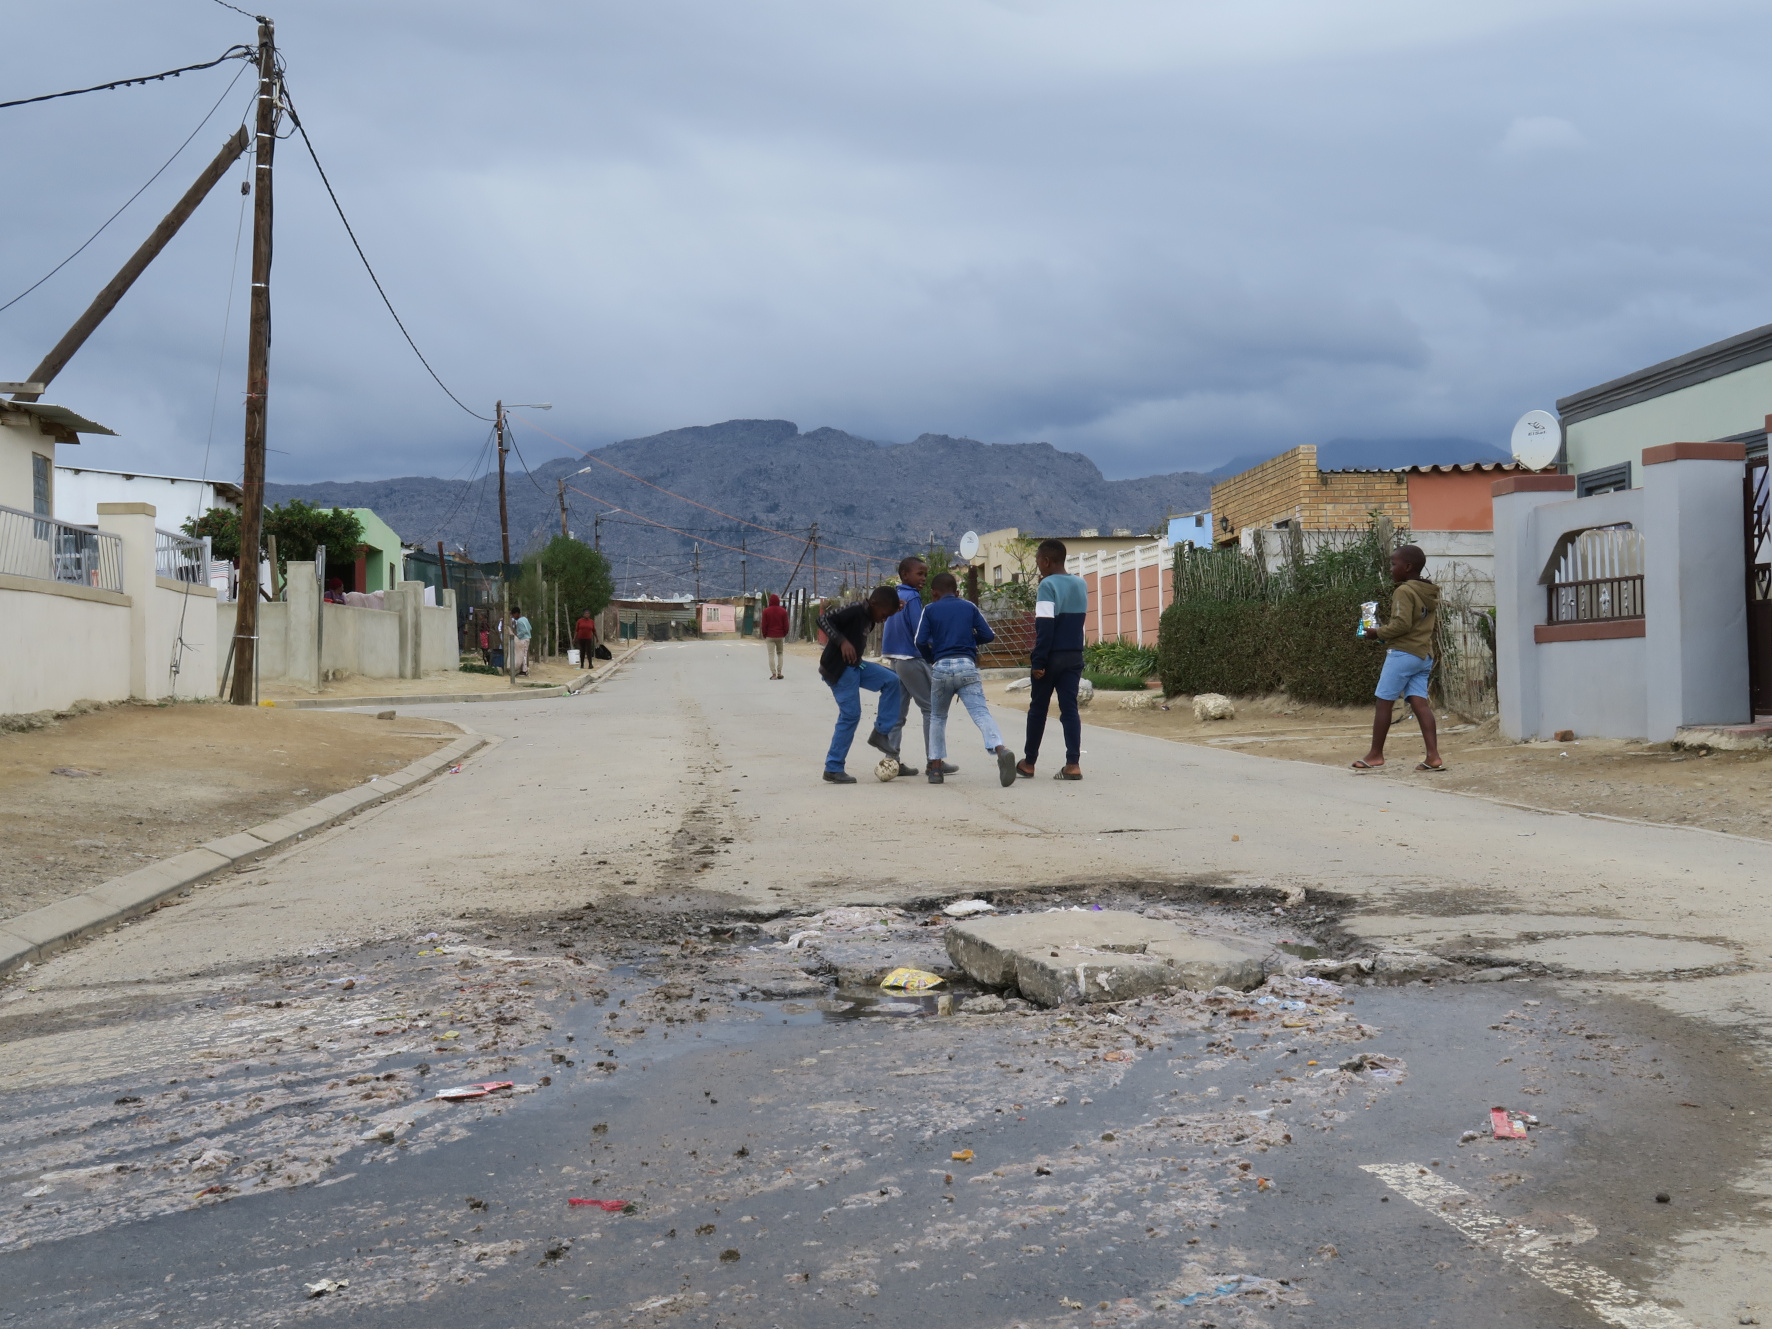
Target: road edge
pixel 572 689
pixel 32 937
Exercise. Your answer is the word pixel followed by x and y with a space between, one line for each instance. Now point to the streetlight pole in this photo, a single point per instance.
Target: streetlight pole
pixel 504 533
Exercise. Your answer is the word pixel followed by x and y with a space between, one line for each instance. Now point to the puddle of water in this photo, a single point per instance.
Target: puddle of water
pixel 1301 950
pixel 861 1003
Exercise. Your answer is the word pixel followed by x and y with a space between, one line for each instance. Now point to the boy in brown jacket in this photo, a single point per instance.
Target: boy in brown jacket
pixel 1408 664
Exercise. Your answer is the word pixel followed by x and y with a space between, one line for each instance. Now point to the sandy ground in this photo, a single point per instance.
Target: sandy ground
pixel 1724 792
pixel 158 780
pixel 542 673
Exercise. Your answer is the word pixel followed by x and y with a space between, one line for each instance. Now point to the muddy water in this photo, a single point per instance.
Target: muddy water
pixel 1197 1161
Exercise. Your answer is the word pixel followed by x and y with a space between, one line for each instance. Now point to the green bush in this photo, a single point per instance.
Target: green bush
pixel 1216 646
pixel 1120 656
pixel 1116 682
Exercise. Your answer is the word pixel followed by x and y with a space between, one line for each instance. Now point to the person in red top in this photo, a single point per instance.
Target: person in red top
pixel 586 632
pixel 774 627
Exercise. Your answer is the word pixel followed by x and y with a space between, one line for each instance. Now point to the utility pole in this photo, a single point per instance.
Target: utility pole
pixel 563 531
pixel 744 585
pixel 258 377
pixel 815 560
pixel 597 532
pixel 698 572
pixel 504 536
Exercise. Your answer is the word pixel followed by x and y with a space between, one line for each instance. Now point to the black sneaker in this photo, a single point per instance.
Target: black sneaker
pixel 905 771
pixel 838 777
pixel 883 742
pixel 934 775
pixel 1005 767
pixel 948 768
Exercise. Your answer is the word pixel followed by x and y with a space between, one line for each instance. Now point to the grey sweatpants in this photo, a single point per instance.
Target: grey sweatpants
pixel 914 677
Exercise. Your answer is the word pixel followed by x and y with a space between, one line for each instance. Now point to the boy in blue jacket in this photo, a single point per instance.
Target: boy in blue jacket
pixel 949 636
pixel 1060 607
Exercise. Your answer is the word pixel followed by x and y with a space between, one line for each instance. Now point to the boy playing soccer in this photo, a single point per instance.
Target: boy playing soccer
pixel 841 666
pixel 1409 663
pixel 1060 606
pixel 949 637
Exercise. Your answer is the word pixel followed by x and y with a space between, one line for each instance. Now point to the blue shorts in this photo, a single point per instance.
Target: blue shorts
pixel 1404 675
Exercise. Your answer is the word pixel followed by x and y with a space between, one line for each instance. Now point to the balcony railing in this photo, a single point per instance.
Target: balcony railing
pixel 1600 600
pixel 181 557
pixel 51 550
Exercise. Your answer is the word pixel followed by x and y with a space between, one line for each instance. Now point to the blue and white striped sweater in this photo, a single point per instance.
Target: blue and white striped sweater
pixel 1060 608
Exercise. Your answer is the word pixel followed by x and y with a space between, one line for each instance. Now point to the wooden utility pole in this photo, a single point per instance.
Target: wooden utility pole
pixel 744 582
pixel 107 299
pixel 698 572
pixel 258 376
pixel 504 536
pixel 563 531
pixel 815 560
pixel 443 564
pixel 597 532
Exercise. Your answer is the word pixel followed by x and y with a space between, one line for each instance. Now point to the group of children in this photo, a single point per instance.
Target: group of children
pixel 931 657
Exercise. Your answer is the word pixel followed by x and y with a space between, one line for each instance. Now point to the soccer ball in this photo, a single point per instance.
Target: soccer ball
pixel 885 769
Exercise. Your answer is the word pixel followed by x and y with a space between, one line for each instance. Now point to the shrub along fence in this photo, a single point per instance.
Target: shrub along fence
pixel 1280 619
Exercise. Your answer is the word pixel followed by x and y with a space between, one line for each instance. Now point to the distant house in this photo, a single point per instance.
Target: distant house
pixel 1192 528
pixel 1446 509
pixel 176 499
pixel 29 432
pixel 1002 563
pixel 379 558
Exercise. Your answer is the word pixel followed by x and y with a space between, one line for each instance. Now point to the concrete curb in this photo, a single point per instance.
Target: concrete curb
pixel 571 689
pixel 35 936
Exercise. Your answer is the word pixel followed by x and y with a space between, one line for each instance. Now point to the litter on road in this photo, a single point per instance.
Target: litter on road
pixel 463 1091
pixel 613 1206
pixel 1506 1126
pixel 325 1285
pixel 911 980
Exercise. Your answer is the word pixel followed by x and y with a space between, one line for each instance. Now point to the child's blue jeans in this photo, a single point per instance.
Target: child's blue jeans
pixel 847 691
pixel 958 676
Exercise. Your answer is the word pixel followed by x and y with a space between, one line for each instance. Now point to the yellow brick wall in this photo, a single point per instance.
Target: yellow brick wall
pixel 1290 487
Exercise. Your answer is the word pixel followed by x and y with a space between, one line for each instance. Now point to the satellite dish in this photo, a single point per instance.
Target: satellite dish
pixel 1538 437
pixel 969 545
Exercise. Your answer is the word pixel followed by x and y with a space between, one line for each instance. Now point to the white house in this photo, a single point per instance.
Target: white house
pixel 176 499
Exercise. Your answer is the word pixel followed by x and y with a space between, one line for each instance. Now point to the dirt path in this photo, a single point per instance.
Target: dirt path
pixel 1726 791
pixel 151 781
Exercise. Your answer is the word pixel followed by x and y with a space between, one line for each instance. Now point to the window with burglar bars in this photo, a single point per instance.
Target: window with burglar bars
pixel 1597 577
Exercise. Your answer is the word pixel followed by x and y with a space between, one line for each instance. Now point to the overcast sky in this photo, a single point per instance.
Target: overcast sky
pixel 1163 234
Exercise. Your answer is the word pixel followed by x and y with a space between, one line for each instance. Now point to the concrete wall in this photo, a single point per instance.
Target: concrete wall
pixel 1685 661
pixel 182 636
pixel 62 644
pixel 439 649
pixel 1718 408
pixel 1466 557
pixel 365 642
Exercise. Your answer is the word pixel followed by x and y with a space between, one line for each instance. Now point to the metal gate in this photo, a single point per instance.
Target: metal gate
pixel 1758 513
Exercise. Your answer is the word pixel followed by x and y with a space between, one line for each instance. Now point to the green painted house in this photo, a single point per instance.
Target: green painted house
pixel 379 560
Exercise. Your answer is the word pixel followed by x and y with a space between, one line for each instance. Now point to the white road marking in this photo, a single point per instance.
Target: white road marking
pixel 1596 1289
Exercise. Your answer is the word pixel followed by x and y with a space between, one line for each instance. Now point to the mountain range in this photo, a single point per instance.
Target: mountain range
pixel 872 502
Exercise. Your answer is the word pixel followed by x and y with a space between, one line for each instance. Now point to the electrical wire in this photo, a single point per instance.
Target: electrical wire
pixel 132 198
pixel 748 553
pixel 232 53
pixel 295 119
pixel 236 8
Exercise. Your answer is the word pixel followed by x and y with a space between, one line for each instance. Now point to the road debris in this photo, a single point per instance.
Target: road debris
pixel 612 1206
pixel 467 1091
pixel 1506 1125
pixel 325 1286
pixel 911 980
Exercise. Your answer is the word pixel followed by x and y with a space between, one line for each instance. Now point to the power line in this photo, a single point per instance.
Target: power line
pixel 232 53
pixel 132 198
pixel 257 18
pixel 295 120
pixel 734 548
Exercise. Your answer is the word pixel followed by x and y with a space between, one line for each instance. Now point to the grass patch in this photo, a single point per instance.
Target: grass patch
pixel 1116 682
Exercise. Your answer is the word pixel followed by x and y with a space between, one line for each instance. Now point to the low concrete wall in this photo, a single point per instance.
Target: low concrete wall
pixel 63 644
pixel 360 641
pixel 438 648
pixel 182 635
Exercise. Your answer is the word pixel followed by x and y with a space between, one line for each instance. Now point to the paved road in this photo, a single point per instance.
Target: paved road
pixel 687 787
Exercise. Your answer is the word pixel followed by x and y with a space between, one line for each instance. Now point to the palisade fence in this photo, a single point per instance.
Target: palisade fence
pixel 1281 616
pixel 43 548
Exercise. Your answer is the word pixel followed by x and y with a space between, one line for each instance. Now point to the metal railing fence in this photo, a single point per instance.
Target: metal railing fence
pixel 51 550
pixel 1595 600
pixel 181 557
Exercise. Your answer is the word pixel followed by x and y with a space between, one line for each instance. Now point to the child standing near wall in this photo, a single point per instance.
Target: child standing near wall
pixel 949 636
pixel 1409 663
pixel 1060 607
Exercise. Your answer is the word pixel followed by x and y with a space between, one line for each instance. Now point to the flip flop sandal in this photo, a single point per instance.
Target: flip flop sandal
pixel 1021 774
pixel 1062 776
pixel 1366 766
pixel 1425 767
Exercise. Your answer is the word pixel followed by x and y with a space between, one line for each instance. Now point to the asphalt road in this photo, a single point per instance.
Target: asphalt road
pixel 203 1117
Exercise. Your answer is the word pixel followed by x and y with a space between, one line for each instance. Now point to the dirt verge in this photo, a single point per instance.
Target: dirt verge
pixel 94 796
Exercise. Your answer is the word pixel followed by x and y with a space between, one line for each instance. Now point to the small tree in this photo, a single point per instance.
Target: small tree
pixel 300 528
pixel 581 573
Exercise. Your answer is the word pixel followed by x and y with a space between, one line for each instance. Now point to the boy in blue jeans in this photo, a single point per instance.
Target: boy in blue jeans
pixel 842 668
pixel 949 637
pixel 1409 661
pixel 1060 607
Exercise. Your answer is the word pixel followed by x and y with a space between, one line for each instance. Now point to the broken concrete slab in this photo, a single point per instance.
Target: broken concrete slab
pixel 1097 955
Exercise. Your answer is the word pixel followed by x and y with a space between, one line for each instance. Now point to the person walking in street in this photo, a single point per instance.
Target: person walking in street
pixel 585 632
pixel 898 648
pixel 846 673
pixel 520 631
pixel 949 636
pixel 1409 661
pixel 773 624
pixel 486 643
pixel 1060 607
